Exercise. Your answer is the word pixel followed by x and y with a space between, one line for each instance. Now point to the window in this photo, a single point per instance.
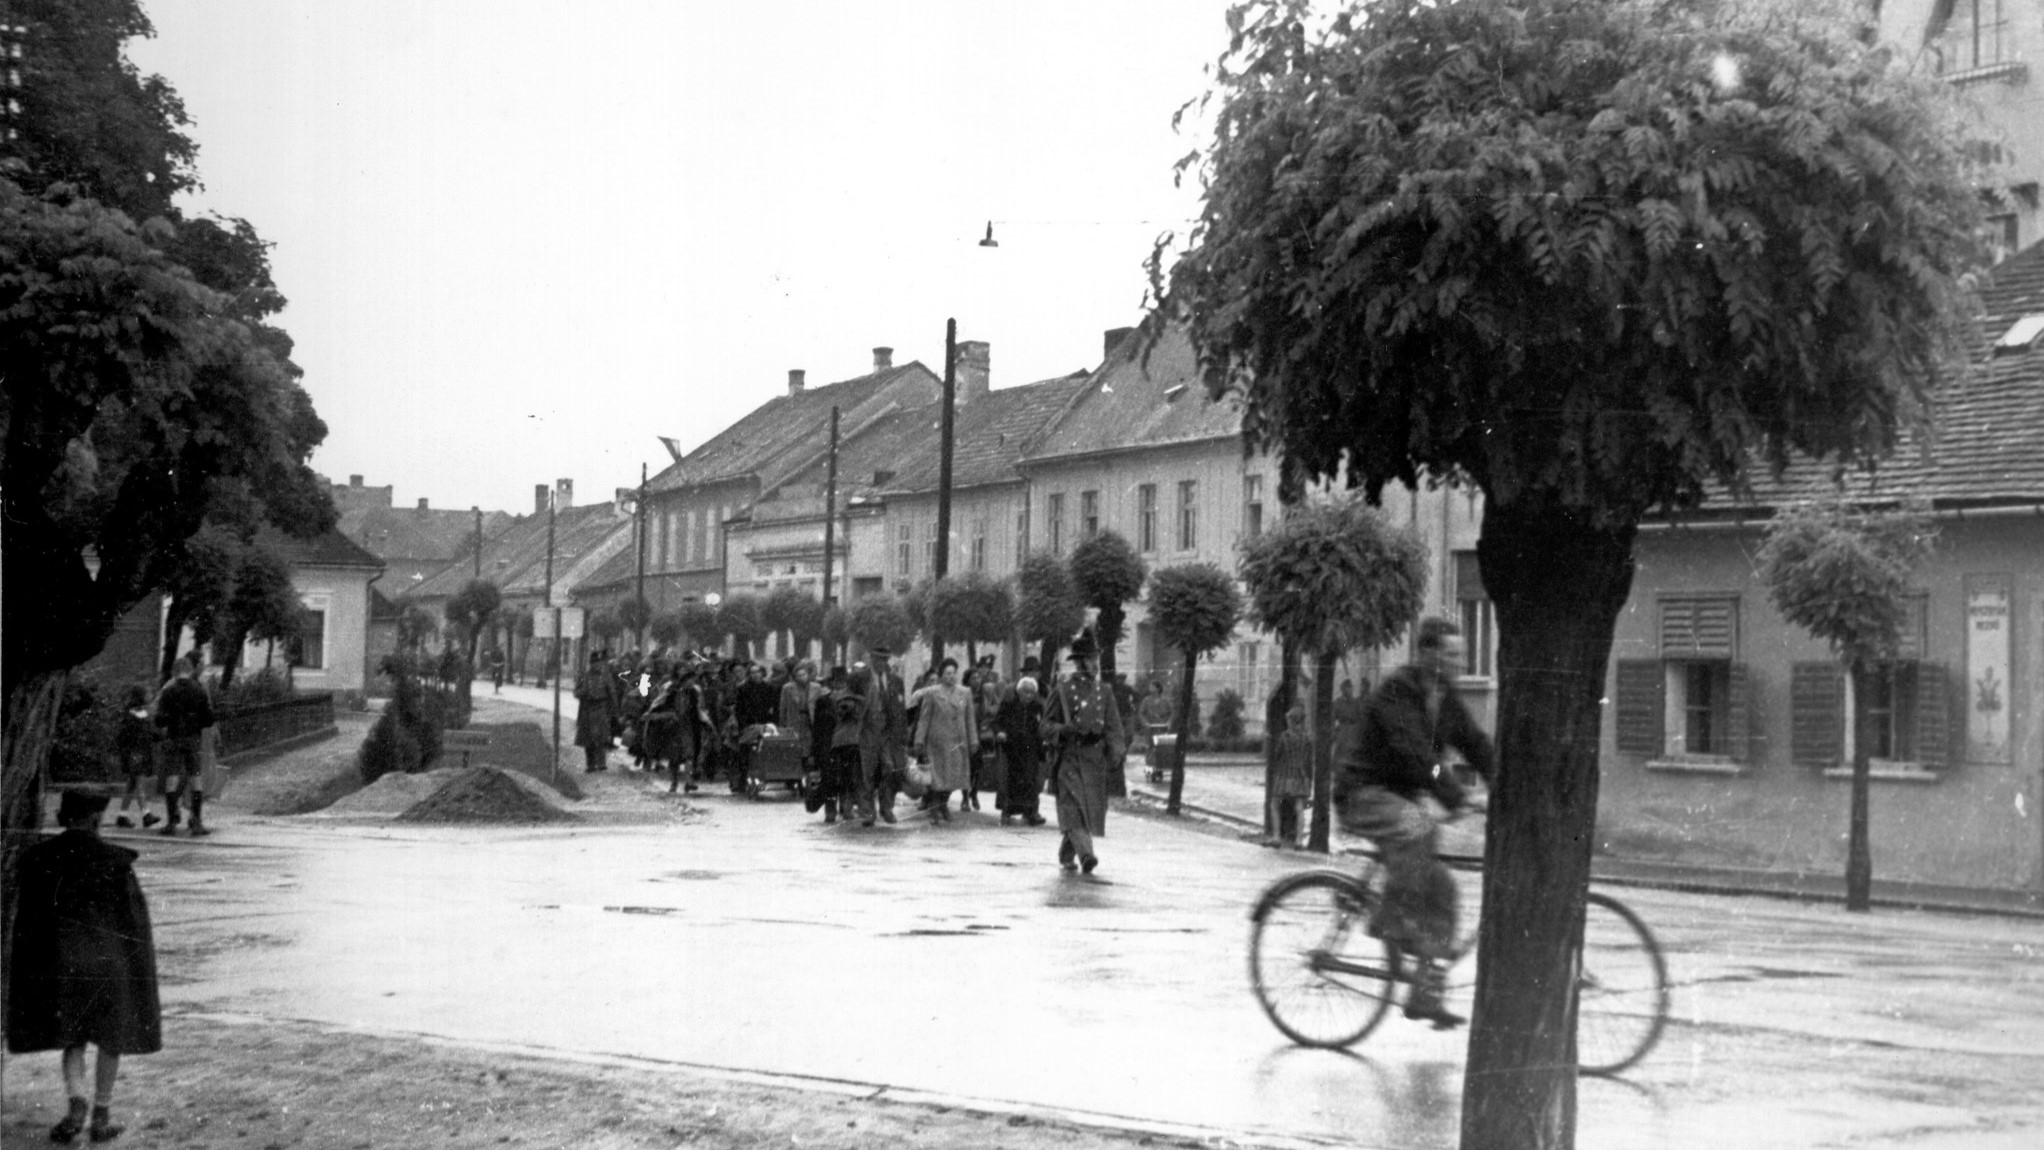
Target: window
pixel 2002 232
pixel 658 550
pixel 1689 706
pixel 904 554
pixel 307 648
pixel 930 547
pixel 867 586
pixel 1021 534
pixel 979 544
pixel 1973 34
pixel 1188 514
pixel 1054 522
pixel 1901 708
pixel 1089 514
pixel 1252 505
pixel 1146 517
pixel 1477 616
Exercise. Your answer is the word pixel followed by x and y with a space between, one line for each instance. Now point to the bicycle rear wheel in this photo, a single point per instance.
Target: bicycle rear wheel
pixel 1318 974
pixel 1622 991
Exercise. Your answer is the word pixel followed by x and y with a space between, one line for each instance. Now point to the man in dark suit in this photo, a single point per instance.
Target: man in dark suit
pixel 883 737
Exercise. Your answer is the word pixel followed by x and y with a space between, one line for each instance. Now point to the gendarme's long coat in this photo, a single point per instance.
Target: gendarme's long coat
pixel 592 709
pixel 1082 720
pixel 84 966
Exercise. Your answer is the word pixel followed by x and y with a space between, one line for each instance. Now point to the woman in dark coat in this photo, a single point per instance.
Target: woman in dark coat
pixel 1018 739
pixel 592 715
pixel 84 967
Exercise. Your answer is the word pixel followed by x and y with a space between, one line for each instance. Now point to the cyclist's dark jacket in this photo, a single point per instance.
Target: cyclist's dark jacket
pixel 1397 749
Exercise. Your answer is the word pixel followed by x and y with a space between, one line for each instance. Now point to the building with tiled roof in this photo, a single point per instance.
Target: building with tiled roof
pixel 332 575
pixel 412 542
pixel 1732 731
pixel 690 502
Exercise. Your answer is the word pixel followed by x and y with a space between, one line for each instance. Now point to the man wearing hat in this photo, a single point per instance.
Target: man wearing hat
pixel 84 963
pixel 883 737
pixel 592 715
pixel 1082 721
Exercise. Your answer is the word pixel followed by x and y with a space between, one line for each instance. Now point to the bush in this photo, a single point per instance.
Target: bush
pixel 406 737
pixel 88 720
pixel 265 686
pixel 1227 720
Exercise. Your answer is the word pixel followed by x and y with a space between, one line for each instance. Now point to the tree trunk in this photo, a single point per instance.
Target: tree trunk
pixel 1558 584
pixel 1859 857
pixel 174 618
pixel 1274 711
pixel 1323 748
pixel 1184 725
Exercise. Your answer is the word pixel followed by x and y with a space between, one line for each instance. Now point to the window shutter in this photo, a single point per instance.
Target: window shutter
pixel 1816 714
pixel 1698 628
pixel 1933 715
pixel 1639 706
pixel 1468 577
pixel 1738 716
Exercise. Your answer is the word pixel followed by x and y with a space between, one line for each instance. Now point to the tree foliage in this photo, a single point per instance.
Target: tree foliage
pixel 1047 605
pixel 1334 576
pixel 1595 258
pixel 699 623
pixel 739 616
pixel 880 621
pixel 1195 608
pixel 1843 573
pixel 635 613
pixel 794 611
pixel 666 628
pixel 262 608
pixel 1108 574
pixel 972 607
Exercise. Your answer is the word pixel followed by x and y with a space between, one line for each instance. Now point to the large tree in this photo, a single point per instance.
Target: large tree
pixel 1331 577
pixel 1597 259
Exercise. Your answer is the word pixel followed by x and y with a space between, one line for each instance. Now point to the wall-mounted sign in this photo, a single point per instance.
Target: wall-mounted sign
pixel 543 622
pixel 1988 695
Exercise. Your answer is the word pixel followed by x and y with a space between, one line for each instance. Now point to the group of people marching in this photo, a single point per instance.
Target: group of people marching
pixel 866 738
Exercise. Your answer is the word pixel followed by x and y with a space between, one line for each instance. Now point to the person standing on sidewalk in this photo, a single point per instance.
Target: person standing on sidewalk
pixel 947 732
pixel 1383 793
pixel 84 963
pixel 185 713
pixel 1082 721
pixel 1291 782
pixel 839 746
pixel 592 715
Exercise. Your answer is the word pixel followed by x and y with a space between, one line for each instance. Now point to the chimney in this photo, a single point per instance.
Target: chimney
pixel 422 503
pixel 564 494
pixel 883 359
pixel 1112 340
pixel 795 375
pixel 973 374
pixel 539 491
pixel 354 481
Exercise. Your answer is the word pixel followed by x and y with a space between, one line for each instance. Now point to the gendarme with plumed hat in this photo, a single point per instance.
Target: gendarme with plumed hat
pixel 1083 647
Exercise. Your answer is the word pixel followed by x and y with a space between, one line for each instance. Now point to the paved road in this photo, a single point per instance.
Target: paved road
pixel 960 962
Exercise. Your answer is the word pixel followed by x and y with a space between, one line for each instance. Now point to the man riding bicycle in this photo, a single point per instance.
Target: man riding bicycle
pixel 1383 794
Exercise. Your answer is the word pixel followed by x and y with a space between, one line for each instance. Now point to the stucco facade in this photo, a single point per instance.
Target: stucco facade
pixel 1957 800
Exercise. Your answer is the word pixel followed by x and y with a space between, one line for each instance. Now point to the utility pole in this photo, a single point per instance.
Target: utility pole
pixel 639 634
pixel 830 512
pixel 942 564
pixel 555 654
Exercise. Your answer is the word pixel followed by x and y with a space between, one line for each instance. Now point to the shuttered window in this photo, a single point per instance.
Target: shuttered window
pixel 1639 706
pixel 1933 715
pixel 1699 628
pixel 1904 714
pixel 1816 714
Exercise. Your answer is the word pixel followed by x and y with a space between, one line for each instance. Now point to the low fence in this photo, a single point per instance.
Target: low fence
pixel 252 728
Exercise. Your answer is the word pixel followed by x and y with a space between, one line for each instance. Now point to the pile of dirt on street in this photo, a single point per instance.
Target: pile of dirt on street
pixel 483 795
pixel 394 793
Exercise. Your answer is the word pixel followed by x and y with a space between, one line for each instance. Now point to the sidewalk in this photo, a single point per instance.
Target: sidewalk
pixel 1228 790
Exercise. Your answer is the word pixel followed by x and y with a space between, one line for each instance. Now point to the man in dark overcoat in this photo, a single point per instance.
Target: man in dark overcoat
pixel 883 737
pixel 84 966
pixel 1083 724
pixel 593 691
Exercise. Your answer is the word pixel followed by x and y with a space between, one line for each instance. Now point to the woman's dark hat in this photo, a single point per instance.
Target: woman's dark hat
pixel 1031 666
pixel 1084 647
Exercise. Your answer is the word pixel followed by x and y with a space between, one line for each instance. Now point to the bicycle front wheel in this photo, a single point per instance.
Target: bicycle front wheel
pixel 1318 975
pixel 1622 990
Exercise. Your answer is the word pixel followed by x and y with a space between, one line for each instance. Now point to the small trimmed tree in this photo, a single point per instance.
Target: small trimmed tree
pixel 415 627
pixel 606 626
pixel 880 620
pixel 699 623
pixel 666 629
pixel 973 607
pixel 1047 605
pixel 1195 609
pixel 636 614
pixel 469 610
pixel 263 607
pixel 1843 573
pixel 835 632
pixel 1107 575
pixel 739 617
pixel 1331 577
pixel 792 612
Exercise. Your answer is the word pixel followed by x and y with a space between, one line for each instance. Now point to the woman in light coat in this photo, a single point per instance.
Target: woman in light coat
pixel 947 732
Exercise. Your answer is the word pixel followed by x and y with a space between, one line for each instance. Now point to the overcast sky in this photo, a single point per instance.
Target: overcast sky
pixel 521 240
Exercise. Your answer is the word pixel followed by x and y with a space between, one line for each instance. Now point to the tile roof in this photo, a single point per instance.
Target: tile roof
pixel 332 549
pixel 989 435
pixel 868 463
pixel 782 435
pixel 407 532
pixel 1133 400
pixel 516 559
pixel 1987 443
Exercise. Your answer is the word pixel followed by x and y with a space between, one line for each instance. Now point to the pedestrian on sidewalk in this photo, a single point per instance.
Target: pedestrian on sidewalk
pixel 668 735
pixel 883 737
pixel 1082 721
pixel 1291 783
pixel 946 733
pixel 1018 740
pixel 592 715
pixel 185 713
pixel 135 743
pixel 838 745
pixel 84 963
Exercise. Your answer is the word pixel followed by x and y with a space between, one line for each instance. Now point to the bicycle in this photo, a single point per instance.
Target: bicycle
pixel 1325 982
